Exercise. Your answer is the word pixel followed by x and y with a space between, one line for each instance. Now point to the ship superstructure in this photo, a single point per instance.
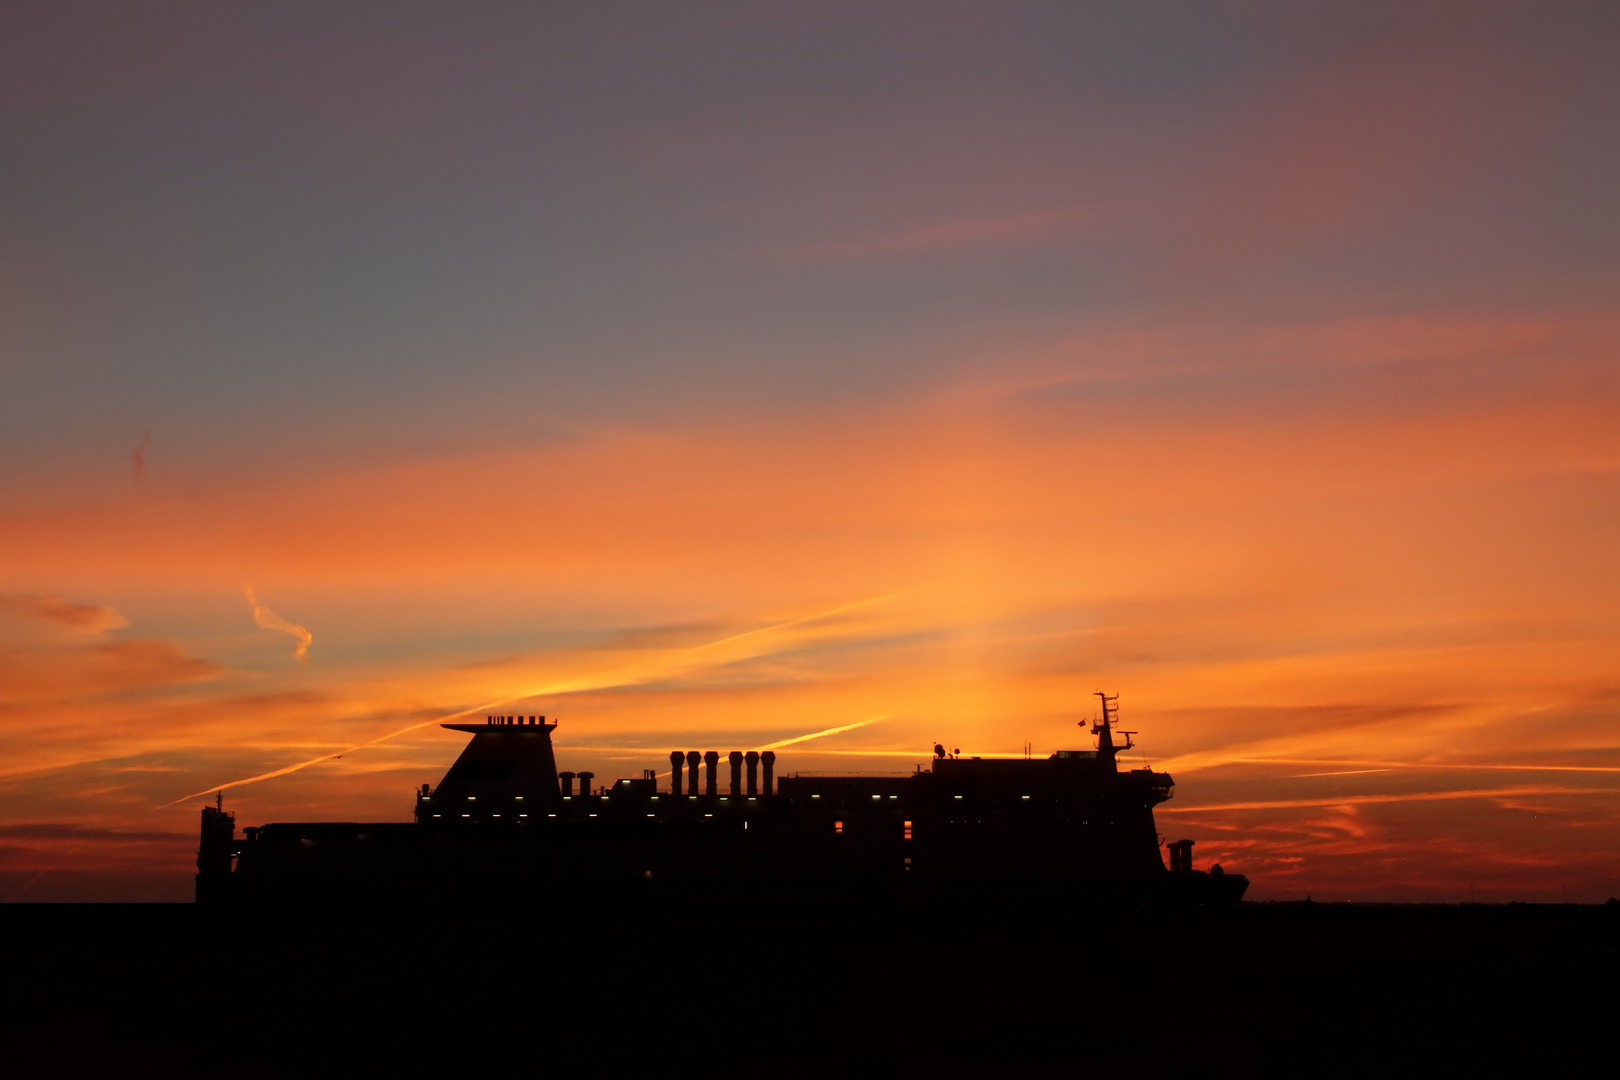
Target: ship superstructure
pixel 503 820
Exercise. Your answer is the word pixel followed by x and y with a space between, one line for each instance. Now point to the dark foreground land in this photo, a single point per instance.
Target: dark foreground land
pixel 1306 989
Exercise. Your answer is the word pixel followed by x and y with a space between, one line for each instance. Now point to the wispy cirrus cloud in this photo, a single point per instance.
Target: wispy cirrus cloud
pixel 74 673
pixel 940 236
pixel 55 650
pixel 54 613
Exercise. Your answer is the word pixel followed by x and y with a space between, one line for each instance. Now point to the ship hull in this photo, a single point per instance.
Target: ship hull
pixel 324 863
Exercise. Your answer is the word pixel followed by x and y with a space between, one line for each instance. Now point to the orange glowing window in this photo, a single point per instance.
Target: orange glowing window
pixel 908 830
pixel 838 826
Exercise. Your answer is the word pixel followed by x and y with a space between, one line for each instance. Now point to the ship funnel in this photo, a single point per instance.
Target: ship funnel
pixel 567 781
pixel 675 760
pixel 1181 856
pixel 711 773
pixel 585 779
pixel 736 758
pixel 768 759
pixel 693 760
pixel 752 757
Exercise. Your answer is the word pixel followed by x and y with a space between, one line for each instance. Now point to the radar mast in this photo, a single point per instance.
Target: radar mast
pixel 1104 729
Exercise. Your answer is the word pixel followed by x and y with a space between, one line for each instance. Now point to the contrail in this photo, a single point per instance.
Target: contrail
pixel 1192 762
pixel 1420 765
pixel 328 757
pixel 29 884
pixel 574 686
pixel 819 734
pixel 774 745
pixel 801 621
pixel 140 457
pixel 269 620
pixel 1363 800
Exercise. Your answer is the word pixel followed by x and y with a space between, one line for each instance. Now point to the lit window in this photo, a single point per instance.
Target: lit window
pixel 838 826
pixel 957 796
pixel 908 834
pixel 877 796
pixel 1026 796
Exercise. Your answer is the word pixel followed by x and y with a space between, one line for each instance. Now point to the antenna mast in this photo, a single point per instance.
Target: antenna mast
pixel 1104 730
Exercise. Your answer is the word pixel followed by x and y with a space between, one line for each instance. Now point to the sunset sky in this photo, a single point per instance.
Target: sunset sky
pixel 703 375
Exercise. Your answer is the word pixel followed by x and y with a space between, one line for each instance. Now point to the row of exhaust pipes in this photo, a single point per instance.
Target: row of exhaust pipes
pixel 566 780
pixel 712 759
pixel 692 759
